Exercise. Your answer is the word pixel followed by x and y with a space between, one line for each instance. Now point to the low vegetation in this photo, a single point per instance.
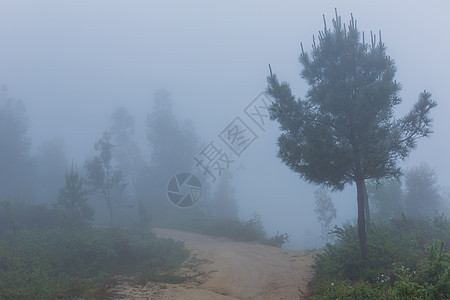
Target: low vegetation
pixel 251 230
pixel 408 258
pixel 43 256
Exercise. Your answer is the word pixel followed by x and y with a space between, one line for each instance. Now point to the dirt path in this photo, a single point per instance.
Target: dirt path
pixel 233 270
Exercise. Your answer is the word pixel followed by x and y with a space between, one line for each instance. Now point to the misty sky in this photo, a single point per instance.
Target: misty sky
pixel 74 62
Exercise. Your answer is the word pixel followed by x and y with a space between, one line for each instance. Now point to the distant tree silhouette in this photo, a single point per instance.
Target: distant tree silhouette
pixel 386 196
pixel 16 167
pixel 172 147
pixel 105 178
pixel 325 211
pixel 73 197
pixel 422 196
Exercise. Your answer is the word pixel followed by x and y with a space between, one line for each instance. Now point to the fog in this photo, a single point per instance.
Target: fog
pixel 73 63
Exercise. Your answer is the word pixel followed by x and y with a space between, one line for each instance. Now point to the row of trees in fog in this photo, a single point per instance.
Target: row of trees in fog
pixel 415 195
pixel 119 183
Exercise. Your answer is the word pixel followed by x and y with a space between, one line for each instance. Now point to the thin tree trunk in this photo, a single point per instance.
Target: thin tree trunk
pixel 110 215
pixel 109 205
pixel 366 205
pixel 361 217
pixel 110 208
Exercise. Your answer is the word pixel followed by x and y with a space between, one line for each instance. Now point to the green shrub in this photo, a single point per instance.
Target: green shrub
pixel 251 230
pixel 345 289
pixel 408 258
pixel 49 263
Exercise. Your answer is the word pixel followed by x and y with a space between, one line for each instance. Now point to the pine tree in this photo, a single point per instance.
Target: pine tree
pixel 344 131
pixel 73 197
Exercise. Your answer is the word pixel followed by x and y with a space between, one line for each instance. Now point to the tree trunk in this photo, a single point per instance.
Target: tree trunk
pixel 109 204
pixel 111 217
pixel 366 205
pixel 110 209
pixel 360 187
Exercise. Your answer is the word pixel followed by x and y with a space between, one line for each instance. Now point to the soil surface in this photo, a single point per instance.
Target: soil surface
pixel 223 269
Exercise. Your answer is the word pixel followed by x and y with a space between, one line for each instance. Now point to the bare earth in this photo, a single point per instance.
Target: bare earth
pixel 223 269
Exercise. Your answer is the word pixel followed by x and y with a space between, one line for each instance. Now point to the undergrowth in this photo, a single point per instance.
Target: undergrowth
pixel 251 230
pixel 57 260
pixel 408 259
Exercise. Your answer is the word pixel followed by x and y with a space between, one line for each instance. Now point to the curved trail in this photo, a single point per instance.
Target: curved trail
pixel 233 270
